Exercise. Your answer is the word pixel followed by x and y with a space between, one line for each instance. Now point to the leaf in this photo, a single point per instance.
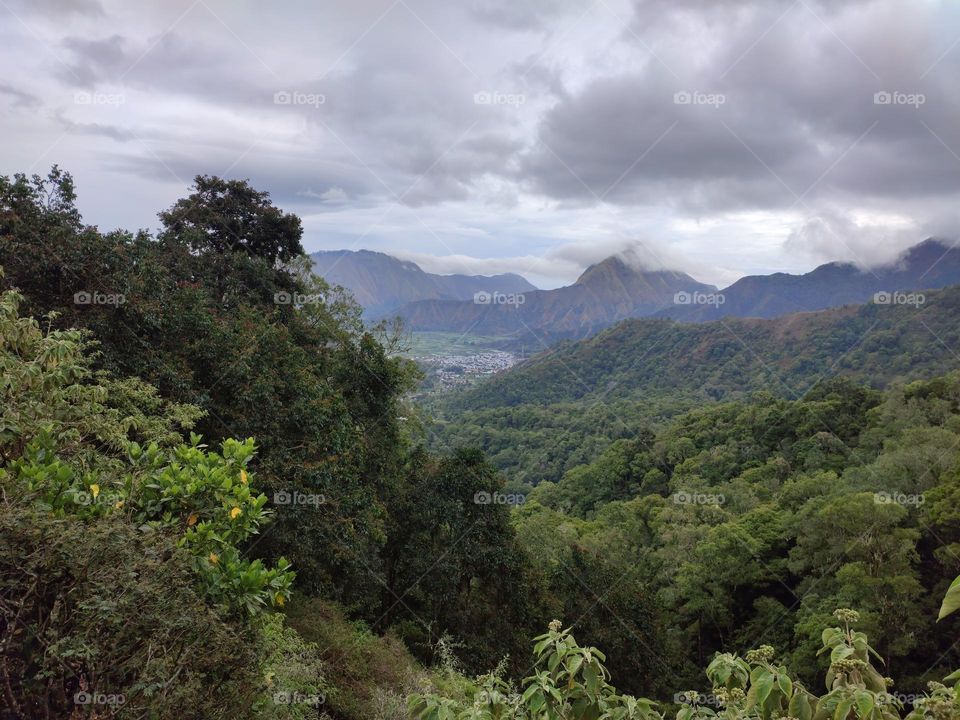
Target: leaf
pixel 764 685
pixel 843 709
pixel 865 704
pixel 841 652
pixel 786 685
pixel 800 706
pixel 952 600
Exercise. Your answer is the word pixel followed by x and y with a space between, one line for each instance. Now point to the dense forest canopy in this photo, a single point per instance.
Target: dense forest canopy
pixel 218 501
pixel 565 405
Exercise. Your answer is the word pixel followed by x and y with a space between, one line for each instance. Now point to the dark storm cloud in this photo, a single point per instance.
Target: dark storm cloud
pixel 170 63
pixel 402 116
pixel 796 116
pixel 553 120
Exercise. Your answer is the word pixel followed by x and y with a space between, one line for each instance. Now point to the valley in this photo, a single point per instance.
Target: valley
pixel 452 361
pixel 357 521
pixel 483 360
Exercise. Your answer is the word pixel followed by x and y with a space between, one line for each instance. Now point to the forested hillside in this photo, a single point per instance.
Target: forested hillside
pixel 930 264
pixel 217 501
pixel 561 407
pixel 742 527
pixel 213 332
pixel 724 359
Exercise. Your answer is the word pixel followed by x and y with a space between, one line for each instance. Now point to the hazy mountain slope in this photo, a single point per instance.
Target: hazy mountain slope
pixel 382 283
pixel 931 264
pixel 727 358
pixel 605 293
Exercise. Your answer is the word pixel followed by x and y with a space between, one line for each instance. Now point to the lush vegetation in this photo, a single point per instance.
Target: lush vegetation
pixel 150 383
pixel 564 406
pixel 755 520
pixel 571 682
pixel 218 501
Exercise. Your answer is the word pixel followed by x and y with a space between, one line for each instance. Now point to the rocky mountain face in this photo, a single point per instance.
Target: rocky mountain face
pixel 382 283
pixel 614 290
pixel 929 265
pixel 607 292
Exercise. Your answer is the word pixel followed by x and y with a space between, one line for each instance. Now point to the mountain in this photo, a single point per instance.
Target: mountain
pixel 648 359
pixel 382 283
pixel 614 290
pixel 604 294
pixel 931 264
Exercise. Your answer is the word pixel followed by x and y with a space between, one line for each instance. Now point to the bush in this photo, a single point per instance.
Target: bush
pixel 368 677
pixel 104 609
pixel 570 683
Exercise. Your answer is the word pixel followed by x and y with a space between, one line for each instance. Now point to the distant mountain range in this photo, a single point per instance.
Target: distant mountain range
pixel 381 284
pixel 644 360
pixel 604 294
pixel 614 290
pixel 931 264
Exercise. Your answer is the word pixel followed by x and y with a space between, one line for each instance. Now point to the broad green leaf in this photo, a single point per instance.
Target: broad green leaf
pixel 952 600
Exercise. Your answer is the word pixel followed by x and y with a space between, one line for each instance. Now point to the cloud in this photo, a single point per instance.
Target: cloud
pixel 730 136
pixel 20 98
pixel 567 261
pixel 58 8
pixel 721 119
pixel 97 129
pixel 532 15
pixel 833 235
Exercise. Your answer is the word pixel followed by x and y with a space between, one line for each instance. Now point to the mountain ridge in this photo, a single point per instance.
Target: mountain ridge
pixel 382 283
pixel 829 285
pixel 605 293
pixel 721 359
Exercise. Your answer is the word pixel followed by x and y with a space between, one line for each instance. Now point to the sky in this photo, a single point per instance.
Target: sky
pixel 718 137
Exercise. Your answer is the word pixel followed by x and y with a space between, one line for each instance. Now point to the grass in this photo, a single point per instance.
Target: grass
pixel 452 343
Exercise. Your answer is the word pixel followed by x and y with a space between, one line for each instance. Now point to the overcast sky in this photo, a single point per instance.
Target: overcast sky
pixel 721 137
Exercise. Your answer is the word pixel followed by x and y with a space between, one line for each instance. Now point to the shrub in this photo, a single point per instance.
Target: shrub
pixel 104 609
pixel 570 683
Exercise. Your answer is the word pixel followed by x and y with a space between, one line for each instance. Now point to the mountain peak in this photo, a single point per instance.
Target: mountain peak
pixel 927 265
pixel 611 266
pixel 929 248
pixel 382 283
